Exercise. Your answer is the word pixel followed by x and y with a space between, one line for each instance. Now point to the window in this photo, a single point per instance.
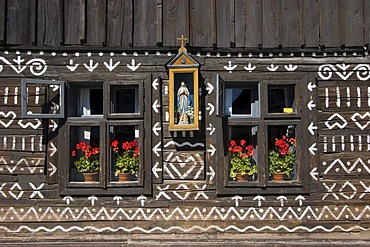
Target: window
pixel 42 98
pixel 262 137
pixel 103 120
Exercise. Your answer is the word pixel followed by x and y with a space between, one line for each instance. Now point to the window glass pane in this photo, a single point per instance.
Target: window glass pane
pixel 85 152
pixel 124 99
pixel 242 100
pixel 243 150
pixel 124 151
pixel 281 99
pixel 282 152
pixel 85 100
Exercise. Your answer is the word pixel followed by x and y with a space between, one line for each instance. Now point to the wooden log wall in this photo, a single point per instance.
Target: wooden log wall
pixel 184 197
pixel 78 41
pixel 207 23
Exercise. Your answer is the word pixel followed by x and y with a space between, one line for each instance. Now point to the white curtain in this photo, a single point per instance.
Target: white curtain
pixel 84 102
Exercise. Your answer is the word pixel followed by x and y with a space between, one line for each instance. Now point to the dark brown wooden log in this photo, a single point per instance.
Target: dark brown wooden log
pixel 225 23
pixel 352 19
pixel 49 23
pixel 202 14
pixel 2 21
pixel 330 25
pixel 271 23
pixel 311 23
pixel 119 21
pixel 145 23
pixel 175 21
pixel 248 19
pixel 74 22
pixel 96 22
pixel 20 22
pixel 291 34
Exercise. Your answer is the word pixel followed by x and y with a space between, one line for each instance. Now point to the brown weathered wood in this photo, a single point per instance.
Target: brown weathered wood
pixel 311 22
pixel 2 20
pixel 74 22
pixel 366 23
pixel 248 23
pixel 145 23
pixel 202 21
pixel 352 18
pixel 96 22
pixel 20 22
pixel 175 21
pixel 225 23
pixel 291 35
pixel 271 23
pixel 119 23
pixel 49 23
pixel 330 23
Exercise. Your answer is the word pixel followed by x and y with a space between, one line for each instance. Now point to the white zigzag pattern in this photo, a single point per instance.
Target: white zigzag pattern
pixel 307 213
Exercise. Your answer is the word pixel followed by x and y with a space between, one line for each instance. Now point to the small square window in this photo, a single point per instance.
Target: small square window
pixel 42 98
pixel 85 101
pixel 124 99
pixel 242 101
pixel 281 98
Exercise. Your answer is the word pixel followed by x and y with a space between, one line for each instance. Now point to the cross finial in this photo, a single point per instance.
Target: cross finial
pixel 182 48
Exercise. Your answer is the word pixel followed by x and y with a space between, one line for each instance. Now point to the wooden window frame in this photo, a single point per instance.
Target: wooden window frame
pixel 263 186
pixel 142 156
pixel 105 186
pixel 24 103
pixel 107 92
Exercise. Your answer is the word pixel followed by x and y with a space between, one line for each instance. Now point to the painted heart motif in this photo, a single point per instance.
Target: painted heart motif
pixel 357 116
pixel 9 116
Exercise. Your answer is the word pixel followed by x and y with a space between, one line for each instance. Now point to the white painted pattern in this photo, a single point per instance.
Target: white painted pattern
pixel 230 67
pixel 249 67
pixel 174 229
pixel 356 117
pixel 6 93
pixel 357 166
pixel 6 119
pixel 338 121
pixel 344 71
pixel 31 123
pixel 169 214
pixel 37 66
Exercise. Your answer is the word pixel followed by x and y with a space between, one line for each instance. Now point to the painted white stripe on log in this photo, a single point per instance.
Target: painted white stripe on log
pixel 327 97
pixel 358 97
pixel 348 97
pixel 338 96
pixel 6 93
pixel 37 96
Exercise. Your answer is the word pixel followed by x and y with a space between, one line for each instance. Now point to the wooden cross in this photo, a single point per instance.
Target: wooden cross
pixel 182 48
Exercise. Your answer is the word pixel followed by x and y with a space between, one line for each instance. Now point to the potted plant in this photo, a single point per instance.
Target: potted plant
pixel 127 159
pixel 241 160
pixel 88 163
pixel 282 158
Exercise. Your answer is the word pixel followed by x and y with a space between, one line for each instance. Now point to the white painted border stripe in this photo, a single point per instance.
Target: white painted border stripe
pixel 182 229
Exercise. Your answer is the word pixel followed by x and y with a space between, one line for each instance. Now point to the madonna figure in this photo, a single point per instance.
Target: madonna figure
pixel 183 103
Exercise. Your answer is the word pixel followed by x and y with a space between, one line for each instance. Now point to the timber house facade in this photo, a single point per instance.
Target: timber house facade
pixel 191 88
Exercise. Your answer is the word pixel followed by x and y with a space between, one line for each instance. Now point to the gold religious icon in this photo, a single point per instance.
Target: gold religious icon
pixel 183 91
